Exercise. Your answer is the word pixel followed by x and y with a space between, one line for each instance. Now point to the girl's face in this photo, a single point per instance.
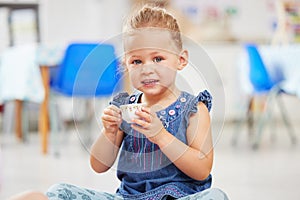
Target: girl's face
pixel 152 60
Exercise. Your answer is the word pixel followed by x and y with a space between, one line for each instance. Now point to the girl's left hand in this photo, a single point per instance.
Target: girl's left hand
pixel 148 123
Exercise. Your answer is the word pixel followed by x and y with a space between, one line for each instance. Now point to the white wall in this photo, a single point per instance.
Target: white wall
pixel 67 20
pixel 63 21
pixel 252 21
pixel 93 20
pixel 4 40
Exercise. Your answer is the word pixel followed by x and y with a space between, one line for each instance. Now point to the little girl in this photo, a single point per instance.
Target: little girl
pixel 166 152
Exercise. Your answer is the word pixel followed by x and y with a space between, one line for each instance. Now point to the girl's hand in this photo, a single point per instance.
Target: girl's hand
pixel 148 123
pixel 111 119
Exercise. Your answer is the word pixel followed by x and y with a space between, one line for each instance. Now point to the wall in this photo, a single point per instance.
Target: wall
pixel 229 20
pixel 67 20
pixel 92 20
pixel 4 41
pixel 63 21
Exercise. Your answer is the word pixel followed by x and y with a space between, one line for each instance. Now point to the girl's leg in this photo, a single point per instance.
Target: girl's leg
pixel 29 196
pixel 209 194
pixel 65 191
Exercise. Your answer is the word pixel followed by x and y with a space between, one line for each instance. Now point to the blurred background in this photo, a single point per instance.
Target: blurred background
pixel 245 52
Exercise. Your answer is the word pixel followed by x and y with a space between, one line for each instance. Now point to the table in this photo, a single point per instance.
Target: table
pixel 42 58
pixel 20 79
pixel 44 112
pixel 31 83
pixel 46 57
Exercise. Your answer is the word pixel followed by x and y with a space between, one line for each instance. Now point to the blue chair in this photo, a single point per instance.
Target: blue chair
pixel 87 72
pixel 264 84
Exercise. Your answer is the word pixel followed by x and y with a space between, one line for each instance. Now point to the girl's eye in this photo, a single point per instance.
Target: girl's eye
pixel 157 59
pixel 136 62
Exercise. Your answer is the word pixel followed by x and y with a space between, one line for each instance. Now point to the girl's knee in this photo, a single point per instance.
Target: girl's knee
pixel 60 186
pixel 216 193
pixel 58 190
pixel 210 194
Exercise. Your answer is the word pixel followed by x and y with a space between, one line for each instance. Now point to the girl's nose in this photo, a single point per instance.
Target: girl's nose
pixel 148 68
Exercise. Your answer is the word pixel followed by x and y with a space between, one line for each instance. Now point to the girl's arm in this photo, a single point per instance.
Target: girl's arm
pixel 105 149
pixel 194 159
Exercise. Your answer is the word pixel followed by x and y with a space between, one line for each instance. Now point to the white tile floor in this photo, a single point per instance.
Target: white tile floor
pixel 271 172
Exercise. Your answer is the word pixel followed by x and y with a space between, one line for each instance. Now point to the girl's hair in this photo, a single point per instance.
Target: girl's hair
pixel 154 17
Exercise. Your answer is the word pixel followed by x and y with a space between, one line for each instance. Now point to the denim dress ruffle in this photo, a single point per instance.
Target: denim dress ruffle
pixel 144 171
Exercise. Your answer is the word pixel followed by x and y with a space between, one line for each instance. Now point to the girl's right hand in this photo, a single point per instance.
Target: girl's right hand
pixel 111 119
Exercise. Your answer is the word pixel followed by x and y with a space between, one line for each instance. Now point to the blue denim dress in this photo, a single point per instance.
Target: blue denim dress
pixel 144 171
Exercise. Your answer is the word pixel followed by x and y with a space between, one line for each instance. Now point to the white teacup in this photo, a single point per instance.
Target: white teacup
pixel 128 111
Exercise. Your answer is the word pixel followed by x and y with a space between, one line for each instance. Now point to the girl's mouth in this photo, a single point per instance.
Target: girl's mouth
pixel 149 82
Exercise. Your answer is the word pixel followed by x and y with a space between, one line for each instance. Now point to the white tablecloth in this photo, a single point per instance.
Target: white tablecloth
pixel 20 76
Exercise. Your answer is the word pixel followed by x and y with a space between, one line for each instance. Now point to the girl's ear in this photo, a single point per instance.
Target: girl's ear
pixel 123 63
pixel 183 59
